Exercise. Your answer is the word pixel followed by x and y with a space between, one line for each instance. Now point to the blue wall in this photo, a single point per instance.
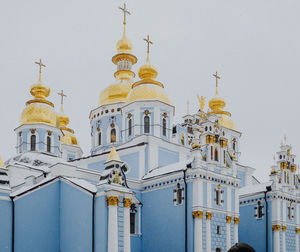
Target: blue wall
pixel 166 157
pixel 37 215
pixel 6 224
pixel 76 219
pixel 101 224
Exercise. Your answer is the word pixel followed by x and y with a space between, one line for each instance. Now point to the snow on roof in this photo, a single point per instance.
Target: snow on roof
pixel 168 169
pixel 83 183
pixel 35 160
pixel 252 189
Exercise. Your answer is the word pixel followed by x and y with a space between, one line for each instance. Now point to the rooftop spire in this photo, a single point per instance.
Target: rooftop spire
pixel 217 78
pixel 62 95
pixel 40 71
pixel 148 41
pixel 125 12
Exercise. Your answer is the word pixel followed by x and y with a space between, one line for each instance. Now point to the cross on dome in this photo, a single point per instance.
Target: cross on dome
pixel 40 71
pixel 148 41
pixel 125 12
pixel 62 95
pixel 217 78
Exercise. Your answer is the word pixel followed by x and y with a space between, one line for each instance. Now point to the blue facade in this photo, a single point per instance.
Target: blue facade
pixel 6 225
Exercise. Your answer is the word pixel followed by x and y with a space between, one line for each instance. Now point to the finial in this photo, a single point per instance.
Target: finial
pixel 125 12
pixel 40 71
pixel 217 77
pixel 62 95
pixel 187 107
pixel 148 46
pixel 284 138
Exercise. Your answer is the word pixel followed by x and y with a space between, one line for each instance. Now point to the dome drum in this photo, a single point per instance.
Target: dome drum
pixel 124 57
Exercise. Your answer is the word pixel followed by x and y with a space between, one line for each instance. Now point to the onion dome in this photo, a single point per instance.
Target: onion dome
pixel 217 105
pixel 124 61
pixel 63 121
pixel 1 163
pixel 147 88
pixel 39 110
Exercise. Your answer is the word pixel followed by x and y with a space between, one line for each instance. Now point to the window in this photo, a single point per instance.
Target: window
pixel 99 138
pixel 259 210
pixel 129 127
pixel 288 177
pixel 218 198
pixel 133 212
pixel 113 135
pixel 218 250
pixel 20 144
pixel 218 229
pixel 234 144
pixel 146 124
pixel 224 156
pixel 178 195
pixel 182 139
pixel 164 127
pixel 33 142
pixel 284 177
pixel 216 154
pixel 48 144
pixel 211 153
pixel 290 211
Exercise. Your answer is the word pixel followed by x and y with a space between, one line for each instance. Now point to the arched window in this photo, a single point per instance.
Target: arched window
pixel 288 177
pixel 48 144
pixel 284 177
pixel 234 144
pixel 146 124
pixel 99 138
pixel 20 143
pixel 129 127
pixel 216 154
pixel 113 135
pixel 211 153
pixel 224 156
pixel 33 142
pixel 164 127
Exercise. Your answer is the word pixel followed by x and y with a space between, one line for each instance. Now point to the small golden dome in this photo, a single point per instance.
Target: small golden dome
pixel 115 93
pixel 1 163
pixel 147 72
pixel 69 138
pixel 227 122
pixel 62 120
pixel 216 104
pixel 39 91
pixel 124 45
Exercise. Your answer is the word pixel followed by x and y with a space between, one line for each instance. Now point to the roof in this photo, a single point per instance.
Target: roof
pixel 253 189
pixel 180 166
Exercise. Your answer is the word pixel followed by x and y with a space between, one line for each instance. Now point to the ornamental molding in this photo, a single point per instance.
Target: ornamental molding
pixel 228 219
pixel 297 230
pixel 209 215
pixel 283 228
pixel 127 202
pixel 276 227
pixel 113 201
pixel 236 220
pixel 198 214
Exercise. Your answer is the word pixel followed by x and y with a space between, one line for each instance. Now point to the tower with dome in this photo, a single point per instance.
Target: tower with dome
pixel 148 183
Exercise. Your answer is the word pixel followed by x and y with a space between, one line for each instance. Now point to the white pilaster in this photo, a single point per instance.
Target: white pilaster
pixel 276 230
pixel 127 204
pixel 297 241
pixel 208 231
pixel 112 203
pixel 236 229
pixel 283 242
pixel 228 234
pixel 198 231
pixel 156 122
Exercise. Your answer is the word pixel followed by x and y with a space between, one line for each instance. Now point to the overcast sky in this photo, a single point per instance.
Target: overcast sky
pixel 254 45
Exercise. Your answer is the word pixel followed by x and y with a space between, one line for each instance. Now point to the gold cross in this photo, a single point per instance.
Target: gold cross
pixel 125 11
pixel 62 95
pixel 217 77
pixel 148 41
pixel 40 72
pixel 187 107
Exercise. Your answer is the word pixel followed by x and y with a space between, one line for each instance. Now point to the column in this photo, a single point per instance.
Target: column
pixel 198 231
pixel 276 230
pixel 228 223
pixel 127 204
pixel 208 231
pixel 112 203
pixel 283 238
pixel 297 238
pixel 236 229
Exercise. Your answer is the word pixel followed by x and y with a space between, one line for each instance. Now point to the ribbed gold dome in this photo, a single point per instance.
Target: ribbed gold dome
pixel 69 138
pixel 115 93
pixel 227 122
pixel 148 72
pixel 38 113
pixel 216 104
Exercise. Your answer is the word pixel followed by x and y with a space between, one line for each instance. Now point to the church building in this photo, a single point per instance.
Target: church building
pixel 149 184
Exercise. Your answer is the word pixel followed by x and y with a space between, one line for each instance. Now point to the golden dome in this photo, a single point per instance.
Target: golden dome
pixel 227 122
pixel 124 45
pixel 69 138
pixel 148 72
pixel 1 163
pixel 115 93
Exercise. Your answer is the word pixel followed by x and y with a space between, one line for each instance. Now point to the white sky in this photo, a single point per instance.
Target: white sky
pixel 253 44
